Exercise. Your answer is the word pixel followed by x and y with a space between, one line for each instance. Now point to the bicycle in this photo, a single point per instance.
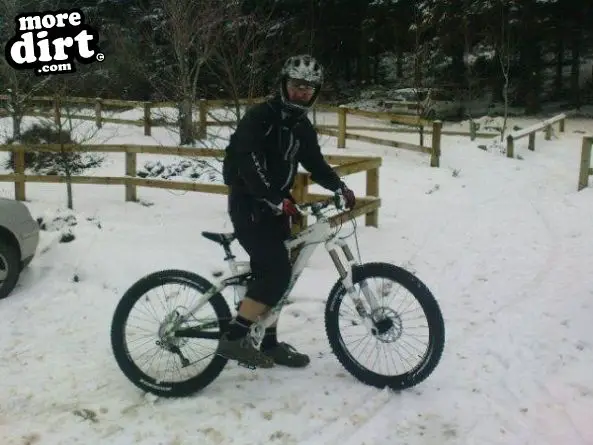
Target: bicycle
pixel 382 323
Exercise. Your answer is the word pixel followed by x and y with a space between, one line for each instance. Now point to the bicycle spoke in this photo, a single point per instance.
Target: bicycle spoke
pixel 149 351
pixel 389 353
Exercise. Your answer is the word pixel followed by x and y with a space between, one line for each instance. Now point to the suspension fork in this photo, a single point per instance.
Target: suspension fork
pixel 345 272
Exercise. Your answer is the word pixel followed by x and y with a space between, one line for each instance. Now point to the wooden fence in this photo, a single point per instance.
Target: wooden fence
pixel 473 133
pixel 148 121
pixel 585 169
pixel 530 131
pixel 204 106
pixel 345 165
pixel 341 131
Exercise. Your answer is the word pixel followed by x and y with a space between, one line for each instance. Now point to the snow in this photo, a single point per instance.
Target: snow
pixel 504 244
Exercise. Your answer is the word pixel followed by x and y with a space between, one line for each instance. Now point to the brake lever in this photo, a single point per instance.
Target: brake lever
pixel 339 201
pixel 302 211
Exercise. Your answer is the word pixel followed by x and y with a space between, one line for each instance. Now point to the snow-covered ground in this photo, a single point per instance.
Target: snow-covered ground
pixel 504 244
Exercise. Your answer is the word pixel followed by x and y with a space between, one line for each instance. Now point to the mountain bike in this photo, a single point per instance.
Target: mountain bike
pixel 177 332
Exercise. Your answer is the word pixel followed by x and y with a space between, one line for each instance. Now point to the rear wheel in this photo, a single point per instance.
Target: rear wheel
pixel 395 329
pixel 167 358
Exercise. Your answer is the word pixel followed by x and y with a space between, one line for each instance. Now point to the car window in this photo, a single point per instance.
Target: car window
pixel 441 95
pixel 411 95
pixel 420 96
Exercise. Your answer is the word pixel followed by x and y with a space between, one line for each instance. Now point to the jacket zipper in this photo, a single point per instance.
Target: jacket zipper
pixel 289 157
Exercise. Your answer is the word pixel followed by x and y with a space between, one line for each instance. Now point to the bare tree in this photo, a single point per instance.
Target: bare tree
pixel 467 59
pixel 19 86
pixel 191 30
pixel 425 54
pixel 239 59
pixel 418 28
pixel 66 130
pixel 504 51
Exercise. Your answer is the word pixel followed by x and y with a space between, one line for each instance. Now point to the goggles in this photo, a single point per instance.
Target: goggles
pixel 301 85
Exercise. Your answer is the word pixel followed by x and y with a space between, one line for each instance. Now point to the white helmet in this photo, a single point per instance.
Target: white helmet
pixel 302 67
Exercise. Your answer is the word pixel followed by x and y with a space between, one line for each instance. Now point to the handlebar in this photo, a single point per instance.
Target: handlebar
pixel 315 208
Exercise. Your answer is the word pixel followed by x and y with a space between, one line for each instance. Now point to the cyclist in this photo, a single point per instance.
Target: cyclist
pixel 260 167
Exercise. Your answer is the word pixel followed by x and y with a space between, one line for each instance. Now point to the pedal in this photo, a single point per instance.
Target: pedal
pixel 246 365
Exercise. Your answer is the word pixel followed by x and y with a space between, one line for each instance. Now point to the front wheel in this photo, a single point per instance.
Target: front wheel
pixel 395 329
pixel 9 268
pixel 154 349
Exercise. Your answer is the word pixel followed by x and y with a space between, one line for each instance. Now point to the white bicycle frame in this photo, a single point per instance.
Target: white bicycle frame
pixel 318 233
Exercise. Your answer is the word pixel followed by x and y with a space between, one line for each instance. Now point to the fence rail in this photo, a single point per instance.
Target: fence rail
pixel 341 131
pixel 367 205
pixel 585 169
pixel 530 131
pixel 147 121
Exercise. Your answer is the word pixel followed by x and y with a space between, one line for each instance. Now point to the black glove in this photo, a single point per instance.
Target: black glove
pixel 287 207
pixel 348 194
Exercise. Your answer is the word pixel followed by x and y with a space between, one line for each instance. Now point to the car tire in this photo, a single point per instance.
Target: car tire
pixel 9 268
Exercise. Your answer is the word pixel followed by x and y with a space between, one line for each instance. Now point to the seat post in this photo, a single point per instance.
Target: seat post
pixel 230 258
pixel 228 253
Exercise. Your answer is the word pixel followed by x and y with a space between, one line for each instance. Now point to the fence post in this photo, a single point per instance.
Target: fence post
pixel 585 162
pixel 531 141
pixel 19 169
pixel 147 120
pixel 421 132
pixel 130 173
pixel 435 153
pixel 300 194
pixel 548 130
pixel 342 126
pixel 98 106
pixel 561 125
pixel 202 128
pixel 472 130
pixel 510 147
pixel 372 218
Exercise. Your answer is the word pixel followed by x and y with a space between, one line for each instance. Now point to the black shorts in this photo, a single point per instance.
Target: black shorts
pixel 262 234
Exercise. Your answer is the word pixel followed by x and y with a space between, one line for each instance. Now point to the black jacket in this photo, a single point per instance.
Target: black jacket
pixel 265 150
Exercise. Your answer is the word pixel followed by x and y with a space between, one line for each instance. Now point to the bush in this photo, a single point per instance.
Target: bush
pixel 38 134
pixel 51 163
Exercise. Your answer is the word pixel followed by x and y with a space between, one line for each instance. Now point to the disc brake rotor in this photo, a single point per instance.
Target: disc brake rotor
pixel 387 325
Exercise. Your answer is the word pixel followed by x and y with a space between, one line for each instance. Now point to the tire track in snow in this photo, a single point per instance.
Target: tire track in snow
pixel 528 290
pixel 347 426
pixel 350 419
pixel 358 424
pixel 342 429
pixel 555 253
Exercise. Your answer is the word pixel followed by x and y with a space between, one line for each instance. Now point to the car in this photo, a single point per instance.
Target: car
pixel 19 239
pixel 436 103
